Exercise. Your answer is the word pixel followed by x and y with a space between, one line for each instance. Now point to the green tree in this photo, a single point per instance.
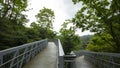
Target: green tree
pixel 84 41
pixel 33 33
pixel 12 9
pixel 11 34
pixel 45 18
pixel 12 29
pixel 69 39
pixel 99 43
pixel 101 17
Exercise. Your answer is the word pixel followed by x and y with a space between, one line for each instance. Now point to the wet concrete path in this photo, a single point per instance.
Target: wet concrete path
pixel 82 63
pixel 45 59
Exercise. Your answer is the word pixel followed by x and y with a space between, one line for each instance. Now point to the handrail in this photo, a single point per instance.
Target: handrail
pixel 60 48
pixel 17 56
pixel 101 59
pixel 60 53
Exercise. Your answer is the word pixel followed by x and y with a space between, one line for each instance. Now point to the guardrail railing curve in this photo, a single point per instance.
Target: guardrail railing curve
pixel 101 59
pixel 17 56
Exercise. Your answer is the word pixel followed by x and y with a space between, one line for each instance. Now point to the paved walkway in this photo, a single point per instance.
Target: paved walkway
pixel 46 59
pixel 82 63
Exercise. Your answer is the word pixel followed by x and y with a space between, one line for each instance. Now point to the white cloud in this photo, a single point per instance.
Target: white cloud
pixel 63 9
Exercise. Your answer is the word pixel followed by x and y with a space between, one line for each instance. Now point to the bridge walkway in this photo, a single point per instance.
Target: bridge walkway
pixel 82 63
pixel 45 59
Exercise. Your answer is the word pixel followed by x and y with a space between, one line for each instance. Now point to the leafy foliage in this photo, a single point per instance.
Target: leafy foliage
pixel 42 33
pixel 12 30
pixel 101 17
pixel 45 18
pixel 12 21
pixel 101 44
pixel 11 34
pixel 85 40
pixel 12 9
pixel 69 39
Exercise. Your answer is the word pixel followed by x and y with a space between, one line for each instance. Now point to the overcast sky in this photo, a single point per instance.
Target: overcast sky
pixel 63 9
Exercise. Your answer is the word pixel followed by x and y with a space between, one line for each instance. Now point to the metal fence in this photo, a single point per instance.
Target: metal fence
pixel 101 59
pixel 60 53
pixel 17 56
pixel 64 61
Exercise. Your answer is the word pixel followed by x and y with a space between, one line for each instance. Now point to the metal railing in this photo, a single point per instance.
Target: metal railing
pixel 101 59
pixel 64 61
pixel 60 53
pixel 17 56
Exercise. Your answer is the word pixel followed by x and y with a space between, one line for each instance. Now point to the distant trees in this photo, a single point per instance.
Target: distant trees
pixel 69 39
pixel 101 17
pixel 12 21
pixel 42 29
pixel 84 41
pixel 12 29
pixel 45 19
pixel 101 43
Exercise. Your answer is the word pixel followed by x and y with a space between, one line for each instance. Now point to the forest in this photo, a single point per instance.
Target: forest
pixel 102 17
pixel 13 31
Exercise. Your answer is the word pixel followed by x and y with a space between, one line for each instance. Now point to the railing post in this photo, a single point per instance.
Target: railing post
pixel 1 59
pixel 30 53
pixel 70 61
pixel 61 62
pixel 12 62
pixel 60 53
pixel 23 56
